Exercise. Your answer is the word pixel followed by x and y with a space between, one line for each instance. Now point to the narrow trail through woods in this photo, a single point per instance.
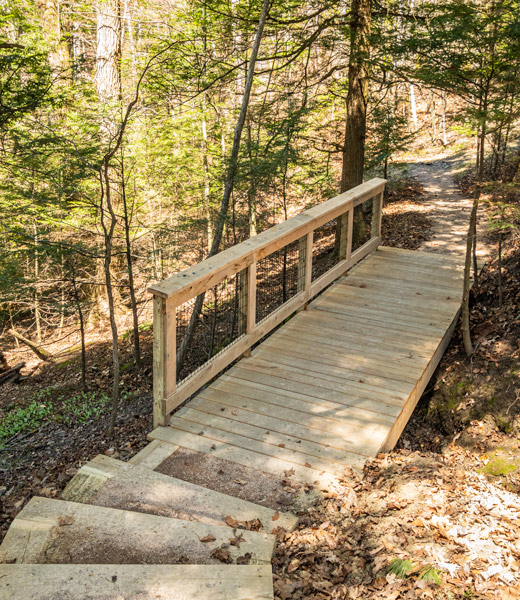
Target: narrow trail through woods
pixel 447 208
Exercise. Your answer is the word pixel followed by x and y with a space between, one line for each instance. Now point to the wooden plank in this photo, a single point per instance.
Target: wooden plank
pixel 427 318
pixel 57 531
pixel 247 302
pixel 454 270
pixel 105 481
pixel 419 388
pixel 406 273
pixel 377 214
pixel 194 280
pixel 333 458
pixel 196 422
pixel 412 301
pixel 352 299
pixel 423 256
pixel 137 582
pixel 401 285
pixel 153 454
pixel 339 375
pixel 358 331
pixel 330 355
pixel 366 345
pixel 334 353
pixel 304 379
pixel 324 367
pixel 381 319
pixel 164 356
pixel 305 403
pixel 328 430
pixel 256 377
pixel 190 437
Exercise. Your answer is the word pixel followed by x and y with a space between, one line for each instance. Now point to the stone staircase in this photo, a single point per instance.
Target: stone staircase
pixel 125 530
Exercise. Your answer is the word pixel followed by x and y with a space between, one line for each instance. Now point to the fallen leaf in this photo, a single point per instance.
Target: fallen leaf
pixel 222 554
pixel 231 522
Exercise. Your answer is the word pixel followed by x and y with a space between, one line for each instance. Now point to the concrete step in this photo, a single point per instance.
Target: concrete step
pixel 105 481
pixel 135 582
pixel 59 532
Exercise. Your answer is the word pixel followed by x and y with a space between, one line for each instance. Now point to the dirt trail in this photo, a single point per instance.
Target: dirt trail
pixel 448 210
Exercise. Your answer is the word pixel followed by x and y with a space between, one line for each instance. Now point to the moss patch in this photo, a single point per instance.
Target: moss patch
pixel 501 466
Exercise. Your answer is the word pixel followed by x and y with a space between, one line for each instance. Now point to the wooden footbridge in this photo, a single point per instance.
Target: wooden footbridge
pixel 282 384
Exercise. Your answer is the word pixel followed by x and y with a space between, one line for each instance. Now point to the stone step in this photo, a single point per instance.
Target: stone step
pixel 135 582
pixel 58 532
pixel 105 481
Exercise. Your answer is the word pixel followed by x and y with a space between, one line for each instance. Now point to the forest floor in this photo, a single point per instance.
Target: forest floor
pixel 439 516
pixel 436 518
pixel 50 427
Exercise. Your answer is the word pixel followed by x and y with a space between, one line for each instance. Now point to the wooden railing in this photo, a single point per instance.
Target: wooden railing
pixel 241 262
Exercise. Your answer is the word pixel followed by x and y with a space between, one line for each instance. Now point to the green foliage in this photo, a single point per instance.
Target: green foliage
pixel 49 406
pixel 401 568
pixel 431 574
pixel 389 134
pixel 404 568
pixel 26 419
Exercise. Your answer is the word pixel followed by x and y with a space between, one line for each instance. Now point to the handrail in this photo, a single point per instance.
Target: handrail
pixel 242 259
pixel 192 281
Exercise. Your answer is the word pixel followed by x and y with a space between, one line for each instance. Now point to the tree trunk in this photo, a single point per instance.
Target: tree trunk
pixel 466 331
pixel 413 107
pixel 108 85
pixel 129 266
pixel 357 98
pixel 108 51
pixel 55 34
pixel 228 184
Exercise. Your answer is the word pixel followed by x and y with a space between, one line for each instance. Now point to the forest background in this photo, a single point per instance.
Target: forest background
pixel 139 137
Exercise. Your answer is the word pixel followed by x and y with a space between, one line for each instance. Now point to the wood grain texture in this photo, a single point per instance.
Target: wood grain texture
pixel 337 382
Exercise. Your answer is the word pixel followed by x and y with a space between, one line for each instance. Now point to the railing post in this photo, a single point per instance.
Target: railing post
pixel 305 263
pixel 350 232
pixel 377 214
pixel 247 302
pixel 164 357
pixel 343 240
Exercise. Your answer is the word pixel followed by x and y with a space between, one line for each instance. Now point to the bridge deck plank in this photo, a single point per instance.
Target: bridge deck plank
pixel 337 383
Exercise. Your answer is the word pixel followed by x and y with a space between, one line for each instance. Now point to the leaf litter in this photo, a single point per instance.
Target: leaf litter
pixel 455 532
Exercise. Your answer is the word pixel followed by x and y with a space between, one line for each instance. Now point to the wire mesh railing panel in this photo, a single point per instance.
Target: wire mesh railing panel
pixel 325 248
pixel 210 330
pixel 278 276
pixel 362 224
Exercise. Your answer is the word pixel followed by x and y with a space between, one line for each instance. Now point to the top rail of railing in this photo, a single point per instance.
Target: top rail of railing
pixel 195 280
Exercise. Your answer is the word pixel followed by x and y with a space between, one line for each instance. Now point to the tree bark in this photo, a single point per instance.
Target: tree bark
pixel 357 99
pixel 108 50
pixel 466 330
pixel 108 86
